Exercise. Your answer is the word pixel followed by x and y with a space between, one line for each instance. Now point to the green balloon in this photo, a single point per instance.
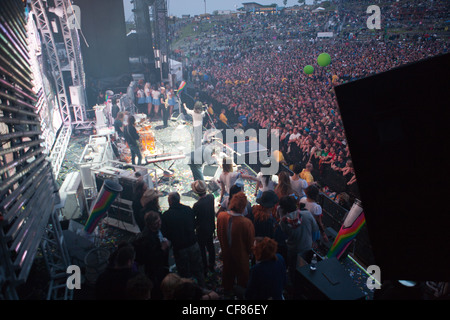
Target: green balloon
pixel 323 59
pixel 308 69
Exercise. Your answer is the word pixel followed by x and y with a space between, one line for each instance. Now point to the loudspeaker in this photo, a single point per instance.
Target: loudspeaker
pixel 396 124
pixel 210 171
pixel 77 95
pixel 103 41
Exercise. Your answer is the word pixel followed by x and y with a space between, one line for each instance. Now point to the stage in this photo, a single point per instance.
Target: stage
pixel 173 143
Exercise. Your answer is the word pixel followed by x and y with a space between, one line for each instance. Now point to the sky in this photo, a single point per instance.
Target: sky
pixel 196 7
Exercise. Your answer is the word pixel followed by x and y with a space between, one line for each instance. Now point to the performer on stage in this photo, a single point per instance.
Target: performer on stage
pixel 156 94
pixel 197 121
pixel 171 101
pixel 206 153
pixel 148 97
pixel 141 99
pixel 165 107
pixel 132 137
pixel 118 124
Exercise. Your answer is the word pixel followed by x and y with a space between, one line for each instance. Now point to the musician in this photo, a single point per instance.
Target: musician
pixel 165 107
pixel 148 98
pixel 118 124
pixel 156 94
pixel 132 137
pixel 115 109
pixel 206 153
pixel 197 121
pixel 170 98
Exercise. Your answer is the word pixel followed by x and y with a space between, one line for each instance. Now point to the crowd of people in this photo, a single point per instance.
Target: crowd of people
pixel 253 65
pixel 255 240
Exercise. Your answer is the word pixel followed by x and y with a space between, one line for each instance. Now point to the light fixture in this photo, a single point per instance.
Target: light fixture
pixel 58 11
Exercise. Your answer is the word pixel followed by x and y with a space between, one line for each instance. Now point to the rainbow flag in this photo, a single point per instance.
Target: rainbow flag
pixel 353 223
pixel 102 204
pixel 181 87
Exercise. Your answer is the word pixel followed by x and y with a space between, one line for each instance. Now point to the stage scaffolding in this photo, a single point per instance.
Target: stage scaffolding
pixel 28 192
pixel 71 96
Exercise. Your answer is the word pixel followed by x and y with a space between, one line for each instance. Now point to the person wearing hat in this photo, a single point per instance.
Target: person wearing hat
pixel 264 221
pixel 265 181
pixel 150 201
pixel 205 214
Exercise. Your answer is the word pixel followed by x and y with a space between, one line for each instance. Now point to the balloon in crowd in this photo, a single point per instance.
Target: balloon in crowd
pixel 308 69
pixel 323 59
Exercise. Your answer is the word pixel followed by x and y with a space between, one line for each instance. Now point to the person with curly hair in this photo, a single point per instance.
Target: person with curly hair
pixel 268 276
pixel 236 236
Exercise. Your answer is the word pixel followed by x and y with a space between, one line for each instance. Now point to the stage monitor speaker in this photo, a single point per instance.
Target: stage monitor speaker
pixel 72 197
pixel 210 171
pixel 396 125
pixel 77 95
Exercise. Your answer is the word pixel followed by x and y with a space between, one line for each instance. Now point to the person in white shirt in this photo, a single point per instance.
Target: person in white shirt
pixel 156 101
pixel 264 183
pixel 148 97
pixel 310 202
pixel 298 184
pixel 294 136
pixel 197 122
pixel 228 178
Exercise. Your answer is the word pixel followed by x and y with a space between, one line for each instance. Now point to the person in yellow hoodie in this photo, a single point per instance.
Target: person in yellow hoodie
pixel 223 117
pixel 307 175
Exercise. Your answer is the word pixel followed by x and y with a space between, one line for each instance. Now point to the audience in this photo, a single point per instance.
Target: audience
pixel 111 284
pixel 301 230
pixel 265 222
pixel 236 235
pixel 310 202
pixel 152 252
pixel 139 288
pixel 205 226
pixel 268 276
pixel 255 73
pixel 175 287
pixel 178 226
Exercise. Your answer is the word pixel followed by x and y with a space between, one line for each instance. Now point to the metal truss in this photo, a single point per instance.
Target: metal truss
pixel 48 40
pixel 72 44
pixel 59 150
pixel 57 259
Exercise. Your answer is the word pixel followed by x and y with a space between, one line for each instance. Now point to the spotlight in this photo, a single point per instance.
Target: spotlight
pixel 58 11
